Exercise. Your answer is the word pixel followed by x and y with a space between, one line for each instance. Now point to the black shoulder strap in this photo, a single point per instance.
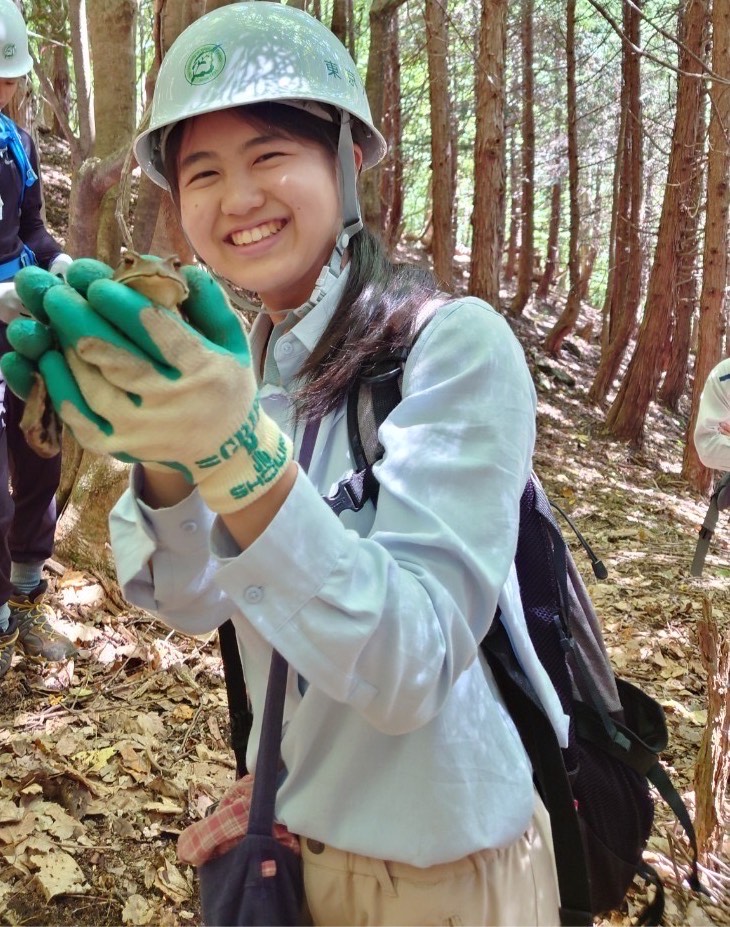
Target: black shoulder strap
pixel 377 387
pixel 239 712
pixel 541 745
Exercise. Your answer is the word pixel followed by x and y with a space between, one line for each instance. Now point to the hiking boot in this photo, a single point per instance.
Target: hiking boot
pixel 7 646
pixel 35 634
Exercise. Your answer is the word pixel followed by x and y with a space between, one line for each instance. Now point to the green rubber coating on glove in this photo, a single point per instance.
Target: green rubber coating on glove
pixel 18 373
pixel 31 285
pixel 82 273
pixel 62 388
pixel 211 314
pixel 30 337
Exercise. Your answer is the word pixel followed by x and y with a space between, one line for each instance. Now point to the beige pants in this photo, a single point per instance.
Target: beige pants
pixel 513 886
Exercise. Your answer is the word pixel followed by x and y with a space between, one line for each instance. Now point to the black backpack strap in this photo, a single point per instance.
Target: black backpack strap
pixel 652 914
pixel 542 747
pixel 559 549
pixel 660 780
pixel 239 712
pixel 382 379
pixel 708 526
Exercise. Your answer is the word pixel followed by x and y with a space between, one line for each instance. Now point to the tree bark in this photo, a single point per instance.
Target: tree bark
pixel 713 758
pixel 383 22
pixel 623 300
pixel 615 187
pixel 714 276
pixel 442 154
pixel 510 265
pixel 111 30
pixel 527 205
pixel 150 217
pixel 628 412
pixel 391 177
pixel 487 218
pixel 569 316
pixel 675 379
pixel 551 252
pixel 338 24
pixel 82 533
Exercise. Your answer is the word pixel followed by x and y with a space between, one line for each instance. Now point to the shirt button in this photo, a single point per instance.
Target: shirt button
pixel 286 348
pixel 315 846
pixel 253 594
pixel 189 527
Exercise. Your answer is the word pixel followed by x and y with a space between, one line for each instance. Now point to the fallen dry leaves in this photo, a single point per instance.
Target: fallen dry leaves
pixel 98 778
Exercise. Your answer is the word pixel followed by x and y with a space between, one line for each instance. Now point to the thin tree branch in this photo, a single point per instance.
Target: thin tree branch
pixel 708 72
pixel 60 113
pixel 669 36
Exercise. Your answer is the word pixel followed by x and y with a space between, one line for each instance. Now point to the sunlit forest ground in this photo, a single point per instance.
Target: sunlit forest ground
pixel 104 765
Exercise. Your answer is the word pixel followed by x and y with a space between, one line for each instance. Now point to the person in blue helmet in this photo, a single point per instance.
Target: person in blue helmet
pixel 402 773
pixel 28 514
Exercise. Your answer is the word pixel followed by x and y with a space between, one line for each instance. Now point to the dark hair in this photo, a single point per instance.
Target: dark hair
pixel 378 310
pixel 377 313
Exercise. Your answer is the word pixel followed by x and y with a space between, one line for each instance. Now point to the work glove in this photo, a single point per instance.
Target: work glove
pixel 145 384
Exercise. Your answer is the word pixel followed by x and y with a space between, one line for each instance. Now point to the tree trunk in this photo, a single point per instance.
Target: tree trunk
pixel 676 378
pixel 338 24
pixel 627 415
pixel 489 181
pixel 587 255
pixel 623 301
pixel 551 252
pixel 510 264
pixel 443 156
pixel 713 758
pixel 527 205
pixel 111 30
pixel 714 275
pixel 153 210
pixel 383 22
pixel 82 535
pixel 391 181
pixel 569 316
pixel 61 81
pixel 615 200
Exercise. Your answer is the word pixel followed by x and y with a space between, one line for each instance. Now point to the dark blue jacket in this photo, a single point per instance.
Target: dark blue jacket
pixel 24 225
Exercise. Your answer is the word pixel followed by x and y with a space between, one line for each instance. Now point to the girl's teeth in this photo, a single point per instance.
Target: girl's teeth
pixel 249 236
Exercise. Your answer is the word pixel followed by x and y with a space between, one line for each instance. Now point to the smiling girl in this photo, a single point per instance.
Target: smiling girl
pixel 402 773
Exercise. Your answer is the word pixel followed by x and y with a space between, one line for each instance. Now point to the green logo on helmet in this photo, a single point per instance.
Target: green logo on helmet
pixel 205 64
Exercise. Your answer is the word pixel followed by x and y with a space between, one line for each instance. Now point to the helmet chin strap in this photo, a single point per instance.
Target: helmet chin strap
pixel 351 218
pixel 351 224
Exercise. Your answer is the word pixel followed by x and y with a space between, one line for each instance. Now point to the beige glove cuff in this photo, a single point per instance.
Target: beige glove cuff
pixel 252 468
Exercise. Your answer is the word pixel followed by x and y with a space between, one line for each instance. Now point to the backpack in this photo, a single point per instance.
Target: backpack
pixel 596 790
pixel 719 501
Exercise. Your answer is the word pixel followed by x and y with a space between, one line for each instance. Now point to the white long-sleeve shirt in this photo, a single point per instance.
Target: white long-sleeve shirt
pixel 713 447
pixel 399 746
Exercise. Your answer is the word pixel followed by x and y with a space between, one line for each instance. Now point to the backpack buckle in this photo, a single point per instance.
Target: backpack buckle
pixel 348 496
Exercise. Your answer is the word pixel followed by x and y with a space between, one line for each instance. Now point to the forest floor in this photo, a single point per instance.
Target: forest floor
pixel 102 763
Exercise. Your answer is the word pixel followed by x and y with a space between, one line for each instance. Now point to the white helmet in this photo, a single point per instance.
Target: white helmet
pixel 255 52
pixel 264 52
pixel 15 60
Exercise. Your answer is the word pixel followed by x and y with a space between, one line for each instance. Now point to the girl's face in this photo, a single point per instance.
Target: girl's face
pixel 8 86
pixel 261 209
